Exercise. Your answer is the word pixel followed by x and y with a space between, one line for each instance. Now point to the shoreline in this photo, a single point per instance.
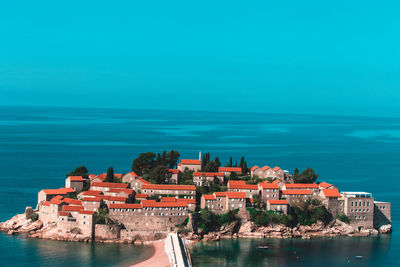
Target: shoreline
pixel 159 258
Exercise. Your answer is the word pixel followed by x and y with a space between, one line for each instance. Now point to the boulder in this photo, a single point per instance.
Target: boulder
pixel 385 229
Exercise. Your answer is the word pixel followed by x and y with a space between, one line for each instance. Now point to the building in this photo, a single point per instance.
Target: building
pixel 253 170
pixel 129 177
pixel 92 203
pixel 138 183
pixel 332 200
pixel 382 213
pixel 74 182
pixel 241 186
pixel 359 207
pixel 221 202
pixel 105 187
pixel 48 194
pixel 207 178
pixel 173 176
pixel 314 188
pixel 268 191
pixel 139 197
pixel 325 185
pixel 75 219
pixel 295 195
pixel 235 200
pixel 228 170
pixel 268 172
pixel 181 191
pixel 99 178
pixel 278 205
pixel 191 164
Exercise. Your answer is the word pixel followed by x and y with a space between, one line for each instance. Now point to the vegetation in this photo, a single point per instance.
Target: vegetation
pixel 187 177
pixel 185 222
pixel 209 221
pixel 35 217
pixel 208 165
pixel 343 217
pixel 159 174
pixel 147 161
pixel 307 176
pixel 79 171
pixel 101 216
pixel 264 218
pixel 110 175
pixel 76 230
pixel 310 211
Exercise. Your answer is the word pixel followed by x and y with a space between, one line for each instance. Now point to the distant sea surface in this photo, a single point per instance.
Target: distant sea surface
pixel 39 145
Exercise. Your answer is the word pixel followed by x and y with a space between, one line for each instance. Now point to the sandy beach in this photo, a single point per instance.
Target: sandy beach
pixel 159 257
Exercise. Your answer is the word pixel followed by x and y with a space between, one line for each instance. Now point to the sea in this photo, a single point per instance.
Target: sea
pixel 39 145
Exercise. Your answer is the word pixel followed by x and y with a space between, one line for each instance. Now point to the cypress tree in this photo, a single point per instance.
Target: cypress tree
pixel 110 175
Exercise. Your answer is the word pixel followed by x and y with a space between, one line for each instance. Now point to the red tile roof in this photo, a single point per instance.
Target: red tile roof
pixel 72 201
pixel 331 193
pixel 89 212
pixel 63 213
pixel 278 202
pixel 236 182
pixel 125 206
pixel 230 169
pixel 57 200
pixel 46 203
pixel 190 162
pixel 276 168
pixel 92 193
pixel 110 185
pixel 129 191
pixel 220 194
pixel 324 185
pixel 243 186
pixel 275 181
pixel 71 208
pixel 301 186
pixel 141 196
pixel 146 201
pixel 169 187
pixel 265 185
pixel 60 191
pixel 91 199
pixel 254 168
pixel 143 181
pixel 187 200
pixel 101 177
pixel 76 178
pixel 296 192
pixel 164 204
pixel 92 176
pixel 235 194
pixel 168 199
pixel 204 174
pixel 265 168
pixel 114 198
pixel 174 171
pixel 209 197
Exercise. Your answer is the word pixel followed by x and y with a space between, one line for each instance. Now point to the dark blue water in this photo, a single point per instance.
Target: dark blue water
pixel 38 146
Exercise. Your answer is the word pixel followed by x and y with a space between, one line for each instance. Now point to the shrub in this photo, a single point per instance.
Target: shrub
pixel 343 217
pixel 35 217
pixel 76 230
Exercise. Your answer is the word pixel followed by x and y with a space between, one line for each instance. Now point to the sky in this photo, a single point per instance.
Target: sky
pixel 320 57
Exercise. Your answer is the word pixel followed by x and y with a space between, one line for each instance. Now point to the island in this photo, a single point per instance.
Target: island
pixel 167 198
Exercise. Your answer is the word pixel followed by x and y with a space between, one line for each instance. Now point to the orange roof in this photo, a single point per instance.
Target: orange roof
pixel 190 162
pixel 46 203
pixel 143 181
pixel 104 197
pixel 141 196
pixel 164 204
pixel 296 192
pixel 72 201
pixel 209 197
pixel 276 168
pixel 60 191
pixel 331 193
pixel 243 186
pixel 230 169
pixel 89 212
pixel 187 200
pixel 92 176
pixel 118 175
pixel 251 200
pixel 125 206
pixel 265 185
pixel 324 185
pixel 129 191
pixel 275 181
pixel 133 174
pixel 92 193
pixel 72 208
pixel 111 185
pixel 169 187
pixel 91 199
pixel 236 182
pixel 76 178
pixel 146 201
pixel 168 199
pixel 63 213
pixel 113 198
pixel 235 194
pixel 56 200
pixel 220 194
pixel 278 201
pixel 265 168
pixel 254 168
pixel 204 174
pixel 102 176
pixel 301 186
pixel 174 171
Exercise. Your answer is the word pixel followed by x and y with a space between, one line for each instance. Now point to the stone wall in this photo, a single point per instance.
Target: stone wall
pixel 107 232
pixel 382 214
pixel 149 223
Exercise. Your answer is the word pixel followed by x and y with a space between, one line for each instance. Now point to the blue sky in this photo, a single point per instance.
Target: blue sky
pixel 267 56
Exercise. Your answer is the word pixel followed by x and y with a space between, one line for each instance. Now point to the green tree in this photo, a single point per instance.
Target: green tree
pixel 143 163
pixel 307 176
pixel 79 171
pixel 187 177
pixel 110 175
pixel 159 174
pixel 172 158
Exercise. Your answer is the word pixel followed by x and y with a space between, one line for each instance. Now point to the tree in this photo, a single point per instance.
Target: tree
pixel 296 175
pixel 79 171
pixel 110 175
pixel 187 177
pixel 164 160
pixel 143 163
pixel 172 158
pixel 159 174
pixel 307 176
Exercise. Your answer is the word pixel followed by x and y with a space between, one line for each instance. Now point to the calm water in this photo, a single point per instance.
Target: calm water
pixel 38 146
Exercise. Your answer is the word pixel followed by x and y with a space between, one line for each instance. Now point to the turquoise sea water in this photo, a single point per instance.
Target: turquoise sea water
pixel 38 146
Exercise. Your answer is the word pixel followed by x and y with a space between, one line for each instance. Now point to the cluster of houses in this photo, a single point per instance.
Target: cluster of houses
pixel 128 202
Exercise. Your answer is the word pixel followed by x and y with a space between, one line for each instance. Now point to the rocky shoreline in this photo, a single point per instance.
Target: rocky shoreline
pixel 19 224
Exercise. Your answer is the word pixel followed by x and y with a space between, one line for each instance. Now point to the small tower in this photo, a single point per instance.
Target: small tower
pixel 200 155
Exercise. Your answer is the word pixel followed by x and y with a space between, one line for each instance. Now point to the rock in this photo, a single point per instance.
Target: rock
pixel 385 229
pixel 247 227
pixel 11 232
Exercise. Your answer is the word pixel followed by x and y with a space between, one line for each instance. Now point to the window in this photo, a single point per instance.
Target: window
pixel 367 203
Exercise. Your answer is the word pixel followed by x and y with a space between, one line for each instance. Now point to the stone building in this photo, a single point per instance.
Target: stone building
pixel 191 164
pixel 48 194
pixel 137 184
pixel 105 187
pixel 92 203
pixel 359 207
pixel 268 191
pixel 268 172
pixel 181 191
pixel 228 170
pixel 74 182
pixel 207 178
pixel 382 213
pixel 173 176
pixel 241 186
pixel 235 200
pixel 295 195
pixel 78 220
pixel 278 205
pixel 129 177
pixel 314 188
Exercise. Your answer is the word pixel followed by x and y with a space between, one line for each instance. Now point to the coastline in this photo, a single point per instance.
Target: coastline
pixel 159 257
